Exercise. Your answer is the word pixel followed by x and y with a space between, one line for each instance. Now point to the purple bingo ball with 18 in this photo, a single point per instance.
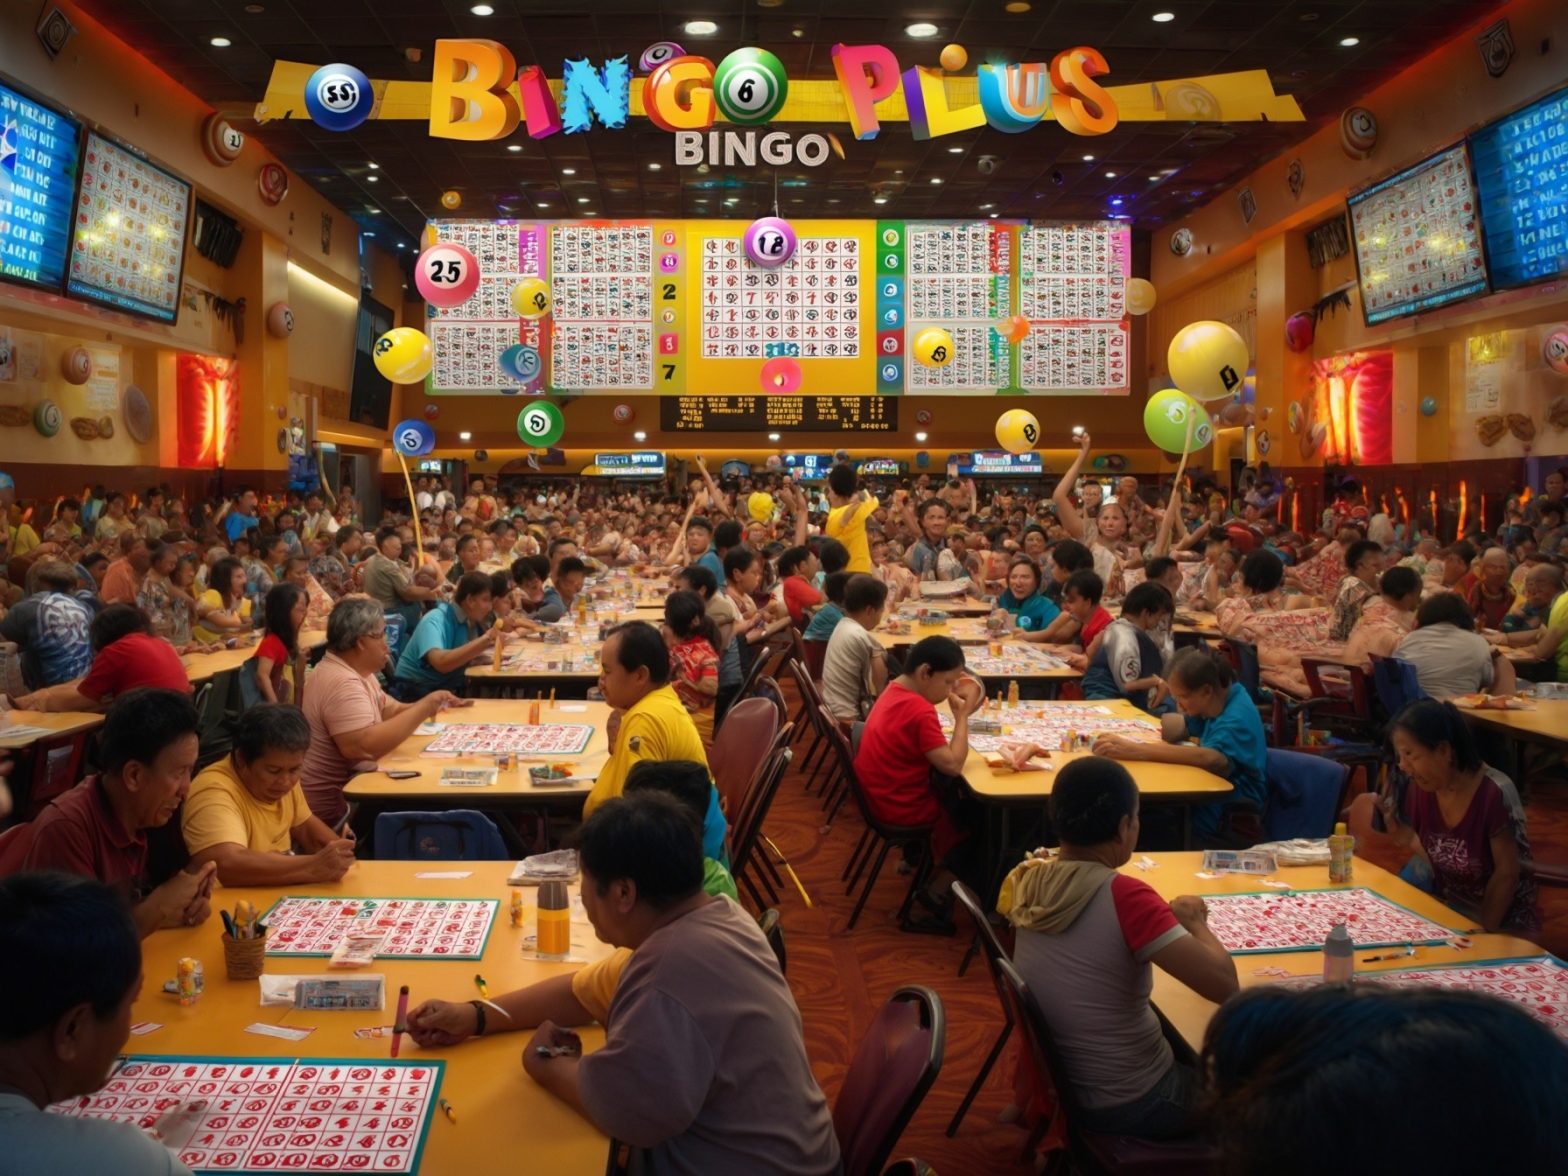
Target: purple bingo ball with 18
pixel 769 241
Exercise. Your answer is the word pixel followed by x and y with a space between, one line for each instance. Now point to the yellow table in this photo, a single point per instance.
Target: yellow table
pixel 499 1109
pixel 526 668
pixel 53 724
pixel 1546 722
pixel 1190 1013
pixel 512 788
pixel 201 667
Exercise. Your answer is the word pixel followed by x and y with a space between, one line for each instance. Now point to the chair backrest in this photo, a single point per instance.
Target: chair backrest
pixel 810 694
pixel 816 653
pixel 1396 683
pixel 453 835
pixel 740 748
pixel 767 687
pixel 778 653
pixel 1303 794
pixel 991 945
pixel 897 1061
pixel 1042 1051
pixel 57 768
pixel 746 829
pixel 1244 656
pixel 773 932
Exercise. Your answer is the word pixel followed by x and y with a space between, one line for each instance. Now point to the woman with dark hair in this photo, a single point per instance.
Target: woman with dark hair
pixel 1364 559
pixel 1028 608
pixel 1462 821
pixel 798 568
pixel 742 575
pixel 283 615
pixel 1293 1073
pixel 694 659
pixel 1450 657
pixel 1087 936
pixel 224 608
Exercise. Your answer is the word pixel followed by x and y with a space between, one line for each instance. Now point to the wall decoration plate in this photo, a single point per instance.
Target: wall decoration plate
pixel 137 412
pixel 47 418
pixel 272 181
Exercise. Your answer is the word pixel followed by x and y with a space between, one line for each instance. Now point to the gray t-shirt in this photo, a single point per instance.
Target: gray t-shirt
pixel 37 1142
pixel 1448 660
pixel 846 669
pixel 704 1064
pixel 382 578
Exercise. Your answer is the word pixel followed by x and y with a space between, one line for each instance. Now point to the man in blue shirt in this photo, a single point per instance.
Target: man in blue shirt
pixel 699 548
pixel 446 640
pixel 241 517
pixel 562 590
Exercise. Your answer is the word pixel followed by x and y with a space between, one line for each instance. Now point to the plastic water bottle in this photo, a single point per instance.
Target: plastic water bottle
pixel 1341 854
pixel 1339 959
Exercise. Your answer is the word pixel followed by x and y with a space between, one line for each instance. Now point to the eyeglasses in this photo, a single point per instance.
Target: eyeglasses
pixel 378 635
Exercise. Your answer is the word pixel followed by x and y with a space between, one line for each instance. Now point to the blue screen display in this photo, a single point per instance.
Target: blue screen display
pixel 38 151
pixel 994 463
pixel 1521 176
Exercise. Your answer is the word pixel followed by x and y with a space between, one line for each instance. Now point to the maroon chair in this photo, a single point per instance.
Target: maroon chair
pixel 747 854
pixel 740 748
pixel 897 1061
pixel 985 935
pixel 815 653
pixel 1094 1155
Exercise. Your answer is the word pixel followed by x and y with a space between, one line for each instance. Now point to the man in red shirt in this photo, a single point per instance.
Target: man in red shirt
pixel 98 829
pixel 126 655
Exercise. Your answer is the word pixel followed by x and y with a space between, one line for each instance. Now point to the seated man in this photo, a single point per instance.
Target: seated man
pixel 447 639
pixel 854 667
pixel 650 723
pixel 1450 657
pixel 245 811
pixel 125 655
pixel 50 626
pixel 706 1077
pixel 561 592
pixel 99 828
pixel 75 971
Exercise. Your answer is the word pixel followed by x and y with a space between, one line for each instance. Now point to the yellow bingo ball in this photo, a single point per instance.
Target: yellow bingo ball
pixel 760 506
pixel 954 58
pixel 1017 431
pixel 451 198
pixel 403 355
pixel 531 298
pixel 1208 360
pixel 1140 296
pixel 934 347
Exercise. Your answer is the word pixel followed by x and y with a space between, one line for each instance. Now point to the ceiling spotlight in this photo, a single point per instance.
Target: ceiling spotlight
pixel 514 148
pixel 372 179
pixel 955 150
pixel 220 42
pixel 936 179
pixel 994 215
pixel 1163 17
pixel 701 28
pixel 1088 159
pixel 920 436
pixel 797 32
pixel 879 200
pixel 921 29
pixel 465 435
pixel 983 207
pixel 373 166
pixel 655 167
pixel 568 171
pixel 639 435
pixel 773 436
pixel 370 232
pixel 540 204
pixel 1347 42
pixel 1017 6
pixel 481 10
pixel 1110 175
pixel 582 200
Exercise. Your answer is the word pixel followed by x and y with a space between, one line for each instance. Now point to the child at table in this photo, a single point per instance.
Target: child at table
pixel 283 614
pixel 797 571
pixel 1028 608
pixel 694 660
pixel 1215 710
pixel 1128 661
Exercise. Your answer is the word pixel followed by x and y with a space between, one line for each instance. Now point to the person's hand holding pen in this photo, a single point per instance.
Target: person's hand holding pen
pixel 548 1043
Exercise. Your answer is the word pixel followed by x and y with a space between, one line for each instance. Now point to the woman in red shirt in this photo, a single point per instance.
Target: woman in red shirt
pixel 283 613
pixel 694 661
pixel 907 767
pixel 797 569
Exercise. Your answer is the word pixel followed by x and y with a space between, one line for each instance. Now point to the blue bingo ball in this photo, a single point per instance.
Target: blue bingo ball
pixel 521 362
pixel 413 438
pixel 338 97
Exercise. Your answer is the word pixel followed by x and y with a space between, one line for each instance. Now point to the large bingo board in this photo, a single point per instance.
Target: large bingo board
pixel 510 739
pixel 254 1115
pixel 415 928
pixel 1299 920
pixel 675 307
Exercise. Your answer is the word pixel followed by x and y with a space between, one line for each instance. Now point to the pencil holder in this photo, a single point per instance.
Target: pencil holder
pixel 244 959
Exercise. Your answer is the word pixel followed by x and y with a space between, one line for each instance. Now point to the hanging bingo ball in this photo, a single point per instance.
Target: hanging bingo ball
pixel 338 97
pixel 446 275
pixel 774 462
pixel 760 506
pixel 1141 296
pixel 1014 329
pixel 1300 330
pixel 934 348
pixel 413 438
pixel 1207 360
pixel 1165 420
pixel 1429 406
pixel 749 86
pixel 1554 350
pixel 541 424
pixel 769 241
pixel 623 414
pixel 432 410
pixel 1017 431
pixel 521 362
pixel 781 375
pixel 402 355
pixel 531 298
pixel 76 365
pixel 657 54
pixel 953 58
pixel 451 199
pixel 280 320
pixel 1358 132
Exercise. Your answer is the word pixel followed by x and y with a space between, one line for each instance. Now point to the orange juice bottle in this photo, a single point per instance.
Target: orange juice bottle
pixel 554 938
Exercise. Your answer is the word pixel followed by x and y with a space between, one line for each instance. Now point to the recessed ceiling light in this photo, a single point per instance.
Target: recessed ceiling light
pixel 255 9
pixel 568 171
pixel 540 204
pixel 465 435
pixel 1163 17
pixel 920 436
pixel 655 167
pixel 582 200
pixel 1347 42
pixel 514 148
pixel 921 29
pixel 1017 6
pixel 1110 175
pixel 983 207
pixel 370 232
pixel 773 436
pixel 1154 179
pixel 994 215
pixel 701 28
pixel 1088 159
pixel 797 32
pixel 372 179
pixel 402 245
pixel 482 10
pixel 955 150
pixel 373 166
pixel 879 200
pixel 639 435
pixel 220 42
pixel 936 179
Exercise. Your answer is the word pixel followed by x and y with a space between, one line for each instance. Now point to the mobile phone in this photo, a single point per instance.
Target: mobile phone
pixel 402 775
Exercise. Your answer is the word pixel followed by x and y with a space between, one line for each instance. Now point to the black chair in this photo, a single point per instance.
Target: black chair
pixel 992 946
pixel 746 852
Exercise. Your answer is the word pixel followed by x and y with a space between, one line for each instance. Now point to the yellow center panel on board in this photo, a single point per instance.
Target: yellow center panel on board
pixel 676 308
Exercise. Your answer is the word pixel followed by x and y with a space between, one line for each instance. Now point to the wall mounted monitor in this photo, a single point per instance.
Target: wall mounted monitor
pixel 39 147
pixel 1521 177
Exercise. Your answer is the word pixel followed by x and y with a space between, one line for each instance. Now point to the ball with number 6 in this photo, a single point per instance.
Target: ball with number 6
pixel 446 275
pixel 531 298
pixel 541 424
pixel 933 347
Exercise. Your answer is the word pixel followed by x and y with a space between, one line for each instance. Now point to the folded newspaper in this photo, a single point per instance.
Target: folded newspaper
pixel 558 865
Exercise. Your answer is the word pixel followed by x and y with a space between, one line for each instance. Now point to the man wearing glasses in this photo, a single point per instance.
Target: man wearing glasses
pixel 352 722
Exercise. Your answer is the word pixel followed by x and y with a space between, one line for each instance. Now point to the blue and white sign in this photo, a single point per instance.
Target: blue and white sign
pixel 988 463
pixel 642 464
pixel 1521 177
pixel 38 156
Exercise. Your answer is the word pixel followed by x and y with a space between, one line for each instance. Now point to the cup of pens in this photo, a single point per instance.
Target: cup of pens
pixel 244 943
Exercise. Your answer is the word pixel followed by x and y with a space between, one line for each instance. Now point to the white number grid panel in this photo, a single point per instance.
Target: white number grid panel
pixel 414 928
pixel 601 292
pixel 1300 920
pixel 808 307
pixel 469 339
pixel 1073 282
pixel 960 279
pixel 134 241
pixel 269 1115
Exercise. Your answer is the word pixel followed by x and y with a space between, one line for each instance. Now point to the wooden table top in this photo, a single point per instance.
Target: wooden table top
pixel 499 1109
pixel 512 784
pixel 1190 1013
pixel 199 667
pixel 532 661
pixel 52 722
pixel 1546 722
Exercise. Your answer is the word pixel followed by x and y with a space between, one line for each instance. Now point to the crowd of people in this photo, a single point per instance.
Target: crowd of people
pixel 102 595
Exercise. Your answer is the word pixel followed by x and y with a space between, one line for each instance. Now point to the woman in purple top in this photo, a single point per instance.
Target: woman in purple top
pixel 1462 820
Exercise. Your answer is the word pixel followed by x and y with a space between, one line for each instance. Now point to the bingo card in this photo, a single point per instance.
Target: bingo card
pixel 1049 725
pixel 601 291
pixel 468 340
pixel 807 308
pixel 250 1115
pixel 415 928
pixel 960 278
pixel 1073 285
pixel 1299 920
pixel 1539 984
pixel 511 739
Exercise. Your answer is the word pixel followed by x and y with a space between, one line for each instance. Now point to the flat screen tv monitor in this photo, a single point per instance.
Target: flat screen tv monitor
pixel 370 397
pixel 1418 238
pixel 1521 177
pixel 128 234
pixel 39 150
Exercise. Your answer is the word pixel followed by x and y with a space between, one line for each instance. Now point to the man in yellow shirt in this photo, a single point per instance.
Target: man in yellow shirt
pixel 246 811
pixel 651 722
pixel 847 516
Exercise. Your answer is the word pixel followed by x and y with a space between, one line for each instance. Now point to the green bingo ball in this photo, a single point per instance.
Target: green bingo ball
pixel 541 424
pixel 750 86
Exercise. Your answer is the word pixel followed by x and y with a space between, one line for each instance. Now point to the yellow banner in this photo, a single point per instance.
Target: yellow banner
pixel 1247 96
